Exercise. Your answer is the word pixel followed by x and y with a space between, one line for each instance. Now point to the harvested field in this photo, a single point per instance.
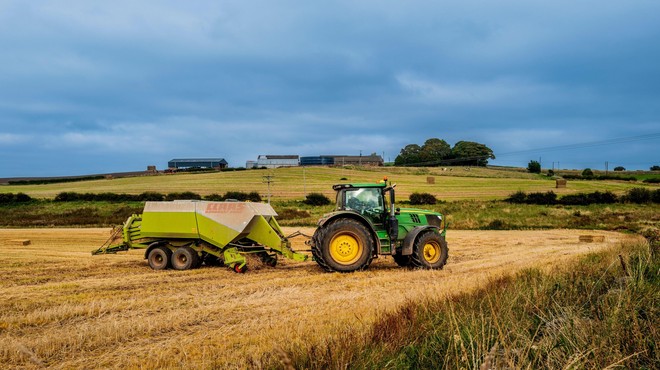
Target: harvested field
pixel 64 308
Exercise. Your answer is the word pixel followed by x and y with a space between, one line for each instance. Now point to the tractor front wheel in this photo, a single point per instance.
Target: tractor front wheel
pixel 430 251
pixel 344 245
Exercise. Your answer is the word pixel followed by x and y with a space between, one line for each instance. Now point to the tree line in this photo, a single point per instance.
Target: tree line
pixel 437 152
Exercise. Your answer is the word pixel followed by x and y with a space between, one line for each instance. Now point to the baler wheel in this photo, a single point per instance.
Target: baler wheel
pixel 267 259
pixel 239 269
pixel 185 258
pixel 211 260
pixel 160 258
pixel 430 251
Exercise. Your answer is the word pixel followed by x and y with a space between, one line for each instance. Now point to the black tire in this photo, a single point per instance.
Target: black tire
pixel 211 260
pixel 402 261
pixel 345 245
pixel 185 258
pixel 160 258
pixel 430 251
pixel 198 261
pixel 267 260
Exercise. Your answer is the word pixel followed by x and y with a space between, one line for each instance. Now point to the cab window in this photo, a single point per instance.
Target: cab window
pixel 366 199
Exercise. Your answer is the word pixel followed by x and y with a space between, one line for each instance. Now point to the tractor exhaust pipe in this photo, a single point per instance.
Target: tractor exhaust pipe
pixel 392 222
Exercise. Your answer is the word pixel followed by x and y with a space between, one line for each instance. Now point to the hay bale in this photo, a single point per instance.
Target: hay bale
pixel 21 241
pixel 430 180
pixel 560 183
pixel 592 238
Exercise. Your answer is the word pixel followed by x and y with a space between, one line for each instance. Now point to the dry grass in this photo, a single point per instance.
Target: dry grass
pixel 64 308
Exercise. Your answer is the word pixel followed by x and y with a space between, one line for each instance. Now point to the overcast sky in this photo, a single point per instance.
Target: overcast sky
pixel 103 86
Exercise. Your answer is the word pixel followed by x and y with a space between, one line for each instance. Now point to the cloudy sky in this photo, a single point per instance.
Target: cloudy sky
pixel 101 86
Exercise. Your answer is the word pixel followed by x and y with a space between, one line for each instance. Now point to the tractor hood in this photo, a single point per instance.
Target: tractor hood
pixel 419 211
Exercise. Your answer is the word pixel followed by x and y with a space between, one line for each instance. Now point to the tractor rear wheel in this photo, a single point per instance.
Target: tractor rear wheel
pixel 344 245
pixel 430 251
pixel 185 258
pixel 160 258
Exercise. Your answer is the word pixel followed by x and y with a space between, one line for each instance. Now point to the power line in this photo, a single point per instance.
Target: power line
pixel 585 145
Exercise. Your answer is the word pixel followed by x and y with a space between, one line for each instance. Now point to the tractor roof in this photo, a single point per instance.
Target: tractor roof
pixel 360 185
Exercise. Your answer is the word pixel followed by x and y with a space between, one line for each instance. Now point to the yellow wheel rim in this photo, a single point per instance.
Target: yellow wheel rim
pixel 345 249
pixel 431 252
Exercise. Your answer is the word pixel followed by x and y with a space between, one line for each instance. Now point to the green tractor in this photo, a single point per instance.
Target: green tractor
pixel 366 224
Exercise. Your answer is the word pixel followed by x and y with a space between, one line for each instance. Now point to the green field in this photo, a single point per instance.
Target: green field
pixel 471 198
pixel 454 183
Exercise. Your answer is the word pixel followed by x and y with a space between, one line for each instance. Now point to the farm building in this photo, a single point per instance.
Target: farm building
pixel 358 160
pixel 274 161
pixel 198 163
pixel 323 160
pixel 341 160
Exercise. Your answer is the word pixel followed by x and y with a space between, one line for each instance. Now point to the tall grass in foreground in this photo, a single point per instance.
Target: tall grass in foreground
pixel 599 312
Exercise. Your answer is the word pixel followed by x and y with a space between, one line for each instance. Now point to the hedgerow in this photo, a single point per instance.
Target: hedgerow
pixel 10 198
pixel 149 196
pixel 634 195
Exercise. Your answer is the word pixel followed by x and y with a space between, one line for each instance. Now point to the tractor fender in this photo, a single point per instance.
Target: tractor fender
pixel 356 216
pixel 409 241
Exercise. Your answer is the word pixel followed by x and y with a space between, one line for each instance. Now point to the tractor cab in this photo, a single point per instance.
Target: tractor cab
pixel 361 198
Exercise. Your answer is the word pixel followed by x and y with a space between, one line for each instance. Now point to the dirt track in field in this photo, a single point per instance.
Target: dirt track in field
pixel 63 308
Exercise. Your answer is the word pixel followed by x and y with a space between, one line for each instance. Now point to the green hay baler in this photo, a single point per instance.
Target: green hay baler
pixel 185 234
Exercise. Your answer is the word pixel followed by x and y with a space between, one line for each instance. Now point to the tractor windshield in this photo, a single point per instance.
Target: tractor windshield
pixel 364 199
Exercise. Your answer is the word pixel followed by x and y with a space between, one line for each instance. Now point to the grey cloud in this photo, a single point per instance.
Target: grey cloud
pixel 188 79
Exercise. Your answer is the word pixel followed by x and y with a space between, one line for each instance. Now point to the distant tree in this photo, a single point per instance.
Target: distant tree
pixel 434 150
pixel 470 153
pixel 587 172
pixel 619 168
pixel 655 168
pixel 534 166
pixel 409 155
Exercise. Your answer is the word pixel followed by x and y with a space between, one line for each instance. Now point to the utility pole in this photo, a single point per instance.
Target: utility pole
pixel 607 165
pixel 304 182
pixel 268 179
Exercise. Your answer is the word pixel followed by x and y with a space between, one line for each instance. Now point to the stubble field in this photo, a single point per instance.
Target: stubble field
pixel 63 308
